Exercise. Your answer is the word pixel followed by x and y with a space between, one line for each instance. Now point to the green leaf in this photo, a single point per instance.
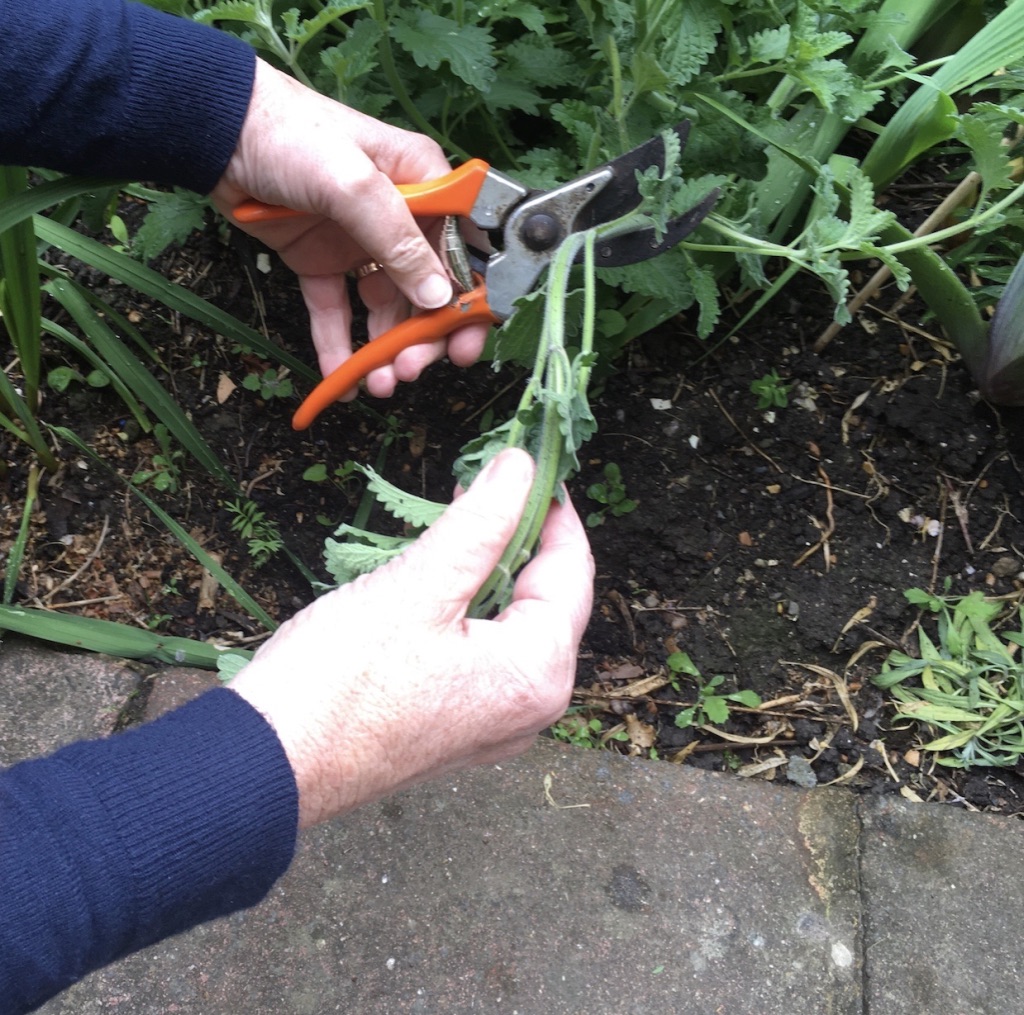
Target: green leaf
pixel 303 31
pixel 354 57
pixel 1001 374
pixel 127 270
pixel 61 378
pixel 691 36
pixel 230 10
pixel 770 45
pixel 359 552
pixel 927 712
pixel 929 116
pixel 680 662
pixel 716 708
pixel 171 218
pixel 407 507
pixel 105 636
pixel 432 40
pixel 137 378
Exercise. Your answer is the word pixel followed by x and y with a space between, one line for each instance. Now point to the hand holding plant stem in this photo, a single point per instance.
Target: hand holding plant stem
pixel 557 393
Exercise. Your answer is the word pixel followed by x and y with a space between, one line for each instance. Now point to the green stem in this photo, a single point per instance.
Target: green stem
pixel 955 230
pixel 17 551
pixel 910 74
pixel 552 377
pixel 387 61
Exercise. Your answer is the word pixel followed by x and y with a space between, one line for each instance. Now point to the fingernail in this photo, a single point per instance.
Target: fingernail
pixel 435 292
pixel 510 464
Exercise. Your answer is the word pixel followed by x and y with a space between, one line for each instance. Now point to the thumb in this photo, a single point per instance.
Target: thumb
pixel 453 558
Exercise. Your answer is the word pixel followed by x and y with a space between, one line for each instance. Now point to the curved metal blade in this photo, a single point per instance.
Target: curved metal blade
pixel 631 248
pixel 621 195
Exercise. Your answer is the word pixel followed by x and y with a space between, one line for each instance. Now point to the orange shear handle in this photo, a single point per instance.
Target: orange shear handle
pixel 455 193
pixel 428 326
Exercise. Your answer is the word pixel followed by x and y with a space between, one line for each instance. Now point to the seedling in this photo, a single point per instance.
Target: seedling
pixel 770 390
pixel 165 475
pixel 319 473
pixel 270 384
pixel 260 534
pixel 576 729
pixel 611 494
pixel 61 378
pixel 710 706
pixel 967 684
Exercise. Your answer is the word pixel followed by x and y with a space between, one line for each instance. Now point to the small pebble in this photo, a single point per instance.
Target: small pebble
pixel 799 771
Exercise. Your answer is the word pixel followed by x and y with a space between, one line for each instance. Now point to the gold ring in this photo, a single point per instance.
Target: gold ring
pixel 366 269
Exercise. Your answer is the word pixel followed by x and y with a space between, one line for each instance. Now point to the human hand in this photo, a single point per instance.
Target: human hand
pixel 385 682
pixel 305 151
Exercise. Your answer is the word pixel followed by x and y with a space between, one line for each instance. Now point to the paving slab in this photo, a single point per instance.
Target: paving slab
pixel 567 881
pixel 574 881
pixel 942 911
pixel 50 698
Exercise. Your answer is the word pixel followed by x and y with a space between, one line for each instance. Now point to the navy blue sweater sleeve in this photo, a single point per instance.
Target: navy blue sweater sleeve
pixel 115 88
pixel 108 846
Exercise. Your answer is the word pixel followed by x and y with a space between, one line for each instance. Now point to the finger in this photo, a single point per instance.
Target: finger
pixel 330 318
pixel 462 347
pixel 391 236
pixel 560 577
pixel 453 558
pixel 466 345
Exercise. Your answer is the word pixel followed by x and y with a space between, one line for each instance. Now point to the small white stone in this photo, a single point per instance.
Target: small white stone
pixel 841 955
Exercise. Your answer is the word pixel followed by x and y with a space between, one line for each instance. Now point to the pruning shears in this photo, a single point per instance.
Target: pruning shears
pixel 525 228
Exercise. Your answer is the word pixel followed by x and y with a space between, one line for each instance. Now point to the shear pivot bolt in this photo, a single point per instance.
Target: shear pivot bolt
pixel 541 231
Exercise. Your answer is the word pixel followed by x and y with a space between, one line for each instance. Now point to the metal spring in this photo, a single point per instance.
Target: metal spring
pixel 455 255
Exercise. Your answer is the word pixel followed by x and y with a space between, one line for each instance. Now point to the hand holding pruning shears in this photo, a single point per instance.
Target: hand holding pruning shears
pixel 525 228
pixel 339 167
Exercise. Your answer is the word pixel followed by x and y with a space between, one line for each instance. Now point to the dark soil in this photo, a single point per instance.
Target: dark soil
pixel 772 547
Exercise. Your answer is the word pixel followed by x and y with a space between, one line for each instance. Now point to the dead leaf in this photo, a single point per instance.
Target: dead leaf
pixel 637 689
pixel 841 689
pixel 848 775
pixel 225 387
pixel 417 441
pixel 208 587
pixel 640 733
pixel 757 767
pixel 858 618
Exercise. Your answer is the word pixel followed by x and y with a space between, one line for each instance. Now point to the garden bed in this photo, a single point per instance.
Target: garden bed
pixel 772 547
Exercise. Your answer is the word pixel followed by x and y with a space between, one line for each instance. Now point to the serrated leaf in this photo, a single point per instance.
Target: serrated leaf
pixel 704 286
pixel 689 39
pixel 990 154
pixel 230 10
pixel 508 91
pixel 813 45
pixel 432 40
pixel 716 708
pixel 302 31
pixel 405 506
pixel 171 218
pixel 361 553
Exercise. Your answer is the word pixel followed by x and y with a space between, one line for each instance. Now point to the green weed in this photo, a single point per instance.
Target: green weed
pixel 771 392
pixel 610 493
pixel 711 706
pixel 967 684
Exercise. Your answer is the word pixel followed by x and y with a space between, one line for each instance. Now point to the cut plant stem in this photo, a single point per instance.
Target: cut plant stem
pixel 552 384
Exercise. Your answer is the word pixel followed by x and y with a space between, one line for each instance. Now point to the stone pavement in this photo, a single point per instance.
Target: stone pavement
pixel 574 881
